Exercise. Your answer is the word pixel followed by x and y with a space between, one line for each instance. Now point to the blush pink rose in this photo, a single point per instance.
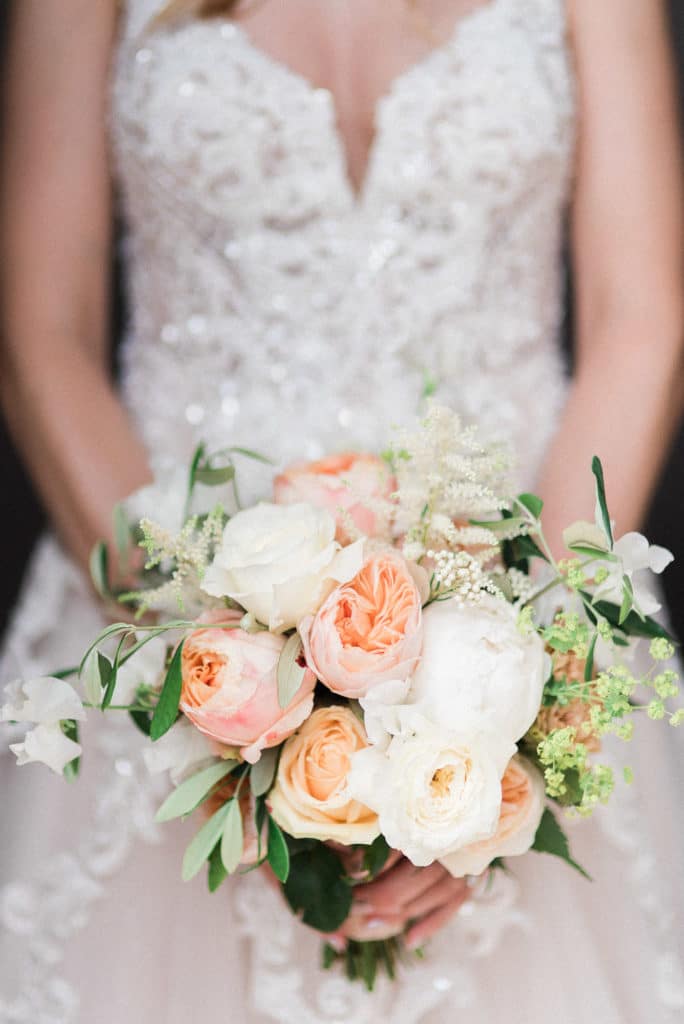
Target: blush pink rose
pixel 355 488
pixel 230 688
pixel 368 631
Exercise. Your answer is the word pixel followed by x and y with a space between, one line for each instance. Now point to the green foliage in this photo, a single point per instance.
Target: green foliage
pixel 532 503
pixel 290 671
pixel 597 470
pixel 551 838
pixel 203 843
pixel 277 853
pixel 262 773
pixel 99 569
pixel 375 857
pixel 190 793
pixel 70 730
pixel 217 872
pixel 317 888
pixel 232 837
pixel 166 711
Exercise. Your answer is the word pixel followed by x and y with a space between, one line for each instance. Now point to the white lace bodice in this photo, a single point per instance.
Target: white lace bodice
pixel 266 292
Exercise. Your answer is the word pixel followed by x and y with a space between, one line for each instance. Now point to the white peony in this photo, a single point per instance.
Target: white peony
pixel 47 701
pixel 280 562
pixel 478 671
pixel 434 790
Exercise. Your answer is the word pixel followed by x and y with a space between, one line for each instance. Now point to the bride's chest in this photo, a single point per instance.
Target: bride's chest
pixel 201 111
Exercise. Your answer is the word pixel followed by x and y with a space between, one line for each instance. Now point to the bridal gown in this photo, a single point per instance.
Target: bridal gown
pixel 274 307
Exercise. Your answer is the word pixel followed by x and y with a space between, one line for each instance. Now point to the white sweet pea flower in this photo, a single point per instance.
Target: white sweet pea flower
pixel 280 562
pixel 48 745
pixel 435 790
pixel 45 700
pixel 181 751
pixel 637 560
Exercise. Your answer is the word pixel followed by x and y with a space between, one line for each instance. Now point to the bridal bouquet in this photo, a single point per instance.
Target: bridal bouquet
pixel 386 656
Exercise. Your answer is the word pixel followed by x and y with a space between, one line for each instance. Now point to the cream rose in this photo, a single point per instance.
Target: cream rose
pixel 368 631
pixel 434 790
pixel 230 688
pixel 311 798
pixel 478 669
pixel 522 806
pixel 356 488
pixel 280 562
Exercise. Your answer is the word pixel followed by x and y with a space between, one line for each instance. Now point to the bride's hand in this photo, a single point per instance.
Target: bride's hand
pixel 417 901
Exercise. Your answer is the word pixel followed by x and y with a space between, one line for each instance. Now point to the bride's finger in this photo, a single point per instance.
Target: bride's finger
pixel 400 886
pixel 439 894
pixel 429 925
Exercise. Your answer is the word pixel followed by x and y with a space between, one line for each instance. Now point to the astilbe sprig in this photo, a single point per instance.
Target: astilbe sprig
pixel 183 556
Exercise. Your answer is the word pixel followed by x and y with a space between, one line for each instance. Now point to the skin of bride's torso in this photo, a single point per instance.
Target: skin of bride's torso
pixel 354 49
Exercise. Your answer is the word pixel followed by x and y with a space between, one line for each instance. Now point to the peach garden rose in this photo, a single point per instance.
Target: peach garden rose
pixel 230 688
pixel 354 487
pixel 310 798
pixel 369 630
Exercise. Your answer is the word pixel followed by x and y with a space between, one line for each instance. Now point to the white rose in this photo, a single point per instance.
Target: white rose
pixel 478 670
pixel 522 807
pixel 434 790
pixel 280 562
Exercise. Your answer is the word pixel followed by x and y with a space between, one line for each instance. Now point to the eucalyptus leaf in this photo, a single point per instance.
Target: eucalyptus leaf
pixel 597 470
pixel 277 852
pixel 589 666
pixel 90 677
pixel 290 673
pixel 511 524
pixel 261 774
pixel 551 838
pixel 166 711
pixel 214 476
pixel 122 535
pixel 627 600
pixel 190 793
pixel 217 873
pixel 203 843
pixel 232 838
pixel 592 552
pixel 250 454
pixel 532 503
pixel 99 569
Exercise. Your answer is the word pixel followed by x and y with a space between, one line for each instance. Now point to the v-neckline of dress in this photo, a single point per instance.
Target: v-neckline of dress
pixel 357 193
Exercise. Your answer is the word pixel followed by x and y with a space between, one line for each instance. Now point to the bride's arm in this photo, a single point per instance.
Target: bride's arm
pixel 55 258
pixel 628 250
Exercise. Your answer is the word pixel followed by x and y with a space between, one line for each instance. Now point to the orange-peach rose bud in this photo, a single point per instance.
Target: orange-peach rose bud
pixel 355 488
pixel 310 797
pixel 368 631
pixel 230 688
pixel 522 806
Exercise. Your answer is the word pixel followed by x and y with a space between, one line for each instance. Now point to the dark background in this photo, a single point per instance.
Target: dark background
pixel 21 517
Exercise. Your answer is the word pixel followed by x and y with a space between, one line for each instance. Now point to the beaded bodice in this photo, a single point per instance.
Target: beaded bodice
pixel 272 306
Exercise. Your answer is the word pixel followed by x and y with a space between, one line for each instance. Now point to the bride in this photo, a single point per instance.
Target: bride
pixel 327 203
